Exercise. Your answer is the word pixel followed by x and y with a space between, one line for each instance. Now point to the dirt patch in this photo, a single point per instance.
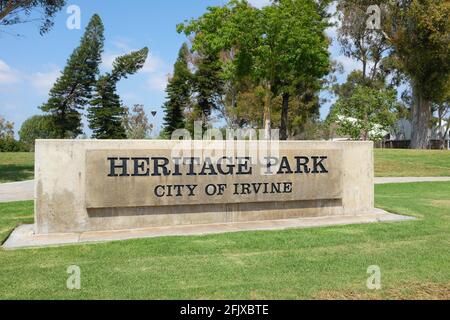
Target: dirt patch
pixel 409 291
pixel 440 203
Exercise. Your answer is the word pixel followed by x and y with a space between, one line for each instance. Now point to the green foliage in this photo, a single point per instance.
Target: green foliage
pixel 366 45
pixel 37 127
pixel 7 141
pixel 73 89
pixel 179 91
pixel 279 48
pixel 106 112
pixel 419 31
pixel 6 128
pixel 208 85
pixel 366 114
pixel 9 144
pixel 16 12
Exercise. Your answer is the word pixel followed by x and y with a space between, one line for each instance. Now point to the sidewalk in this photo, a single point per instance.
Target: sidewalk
pixel 410 179
pixel 17 191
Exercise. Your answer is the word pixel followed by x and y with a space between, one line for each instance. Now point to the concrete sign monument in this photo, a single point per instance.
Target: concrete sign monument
pixel 87 185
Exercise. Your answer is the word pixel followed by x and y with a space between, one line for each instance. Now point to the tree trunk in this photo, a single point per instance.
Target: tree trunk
pixel 267 117
pixel 441 135
pixel 284 117
pixel 421 117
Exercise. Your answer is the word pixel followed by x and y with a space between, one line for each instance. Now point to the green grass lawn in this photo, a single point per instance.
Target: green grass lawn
pixel 412 163
pixel 329 262
pixel 16 166
pixel 388 163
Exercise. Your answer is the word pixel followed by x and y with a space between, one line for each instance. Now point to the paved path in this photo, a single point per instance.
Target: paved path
pixel 22 191
pixel 410 179
pixel 17 191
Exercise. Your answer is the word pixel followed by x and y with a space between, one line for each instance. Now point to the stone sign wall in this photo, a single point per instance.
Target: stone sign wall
pixel 112 185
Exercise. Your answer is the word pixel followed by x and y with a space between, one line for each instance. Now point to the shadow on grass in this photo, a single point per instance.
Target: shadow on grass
pixel 13 172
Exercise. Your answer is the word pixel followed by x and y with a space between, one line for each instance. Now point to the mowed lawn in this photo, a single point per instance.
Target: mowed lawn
pixel 388 163
pixel 16 166
pixel 412 163
pixel 329 262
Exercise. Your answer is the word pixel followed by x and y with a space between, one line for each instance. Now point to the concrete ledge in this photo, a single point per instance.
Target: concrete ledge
pixel 24 237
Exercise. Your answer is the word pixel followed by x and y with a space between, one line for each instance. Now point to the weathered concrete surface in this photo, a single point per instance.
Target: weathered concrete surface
pixel 24 236
pixel 61 205
pixel 23 191
pixel 17 191
pixel 105 191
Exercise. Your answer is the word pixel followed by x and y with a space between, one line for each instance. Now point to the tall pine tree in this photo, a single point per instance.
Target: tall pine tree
pixel 208 83
pixel 73 89
pixel 106 112
pixel 178 94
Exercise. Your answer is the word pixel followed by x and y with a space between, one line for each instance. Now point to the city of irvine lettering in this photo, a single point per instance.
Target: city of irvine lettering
pixel 224 166
pixel 193 166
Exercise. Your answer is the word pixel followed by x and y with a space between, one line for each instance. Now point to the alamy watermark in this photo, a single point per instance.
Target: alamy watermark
pixel 246 146
pixel 74 280
pixel 73 22
pixel 374 280
pixel 373 21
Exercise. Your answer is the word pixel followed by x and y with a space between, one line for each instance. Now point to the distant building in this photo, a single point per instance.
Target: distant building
pixel 400 135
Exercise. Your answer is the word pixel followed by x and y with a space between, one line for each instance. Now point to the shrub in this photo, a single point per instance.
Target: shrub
pixel 36 127
pixel 9 144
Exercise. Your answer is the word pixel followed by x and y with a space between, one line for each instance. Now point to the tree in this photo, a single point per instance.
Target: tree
pixel 278 47
pixel 73 89
pixel 443 120
pixel 7 141
pixel 136 123
pixel 296 35
pixel 415 35
pixel 20 11
pixel 179 91
pixel 208 86
pixel 6 128
pixel 106 112
pixel 37 127
pixel 366 113
pixel 357 41
pixel 419 33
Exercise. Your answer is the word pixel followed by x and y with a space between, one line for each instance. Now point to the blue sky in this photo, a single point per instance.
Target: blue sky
pixel 30 64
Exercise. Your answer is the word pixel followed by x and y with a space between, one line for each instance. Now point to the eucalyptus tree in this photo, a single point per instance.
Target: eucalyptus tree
pixel 415 34
pixel 22 11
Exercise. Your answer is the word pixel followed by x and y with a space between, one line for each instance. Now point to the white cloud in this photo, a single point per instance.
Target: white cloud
pixel 158 81
pixel 108 59
pixel 153 64
pixel 122 43
pixel 44 81
pixel 7 74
